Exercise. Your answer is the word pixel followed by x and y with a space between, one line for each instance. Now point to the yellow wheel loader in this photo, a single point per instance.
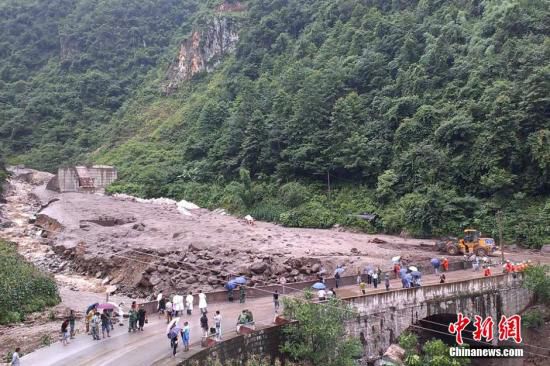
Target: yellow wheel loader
pixel 472 243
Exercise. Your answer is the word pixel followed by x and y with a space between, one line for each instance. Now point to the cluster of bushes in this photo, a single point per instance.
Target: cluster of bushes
pixel 433 353
pixel 24 288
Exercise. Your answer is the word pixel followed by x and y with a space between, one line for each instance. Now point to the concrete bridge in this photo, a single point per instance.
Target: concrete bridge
pixel 384 316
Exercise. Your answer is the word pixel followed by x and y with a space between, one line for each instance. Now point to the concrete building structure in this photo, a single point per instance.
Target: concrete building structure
pixel 88 179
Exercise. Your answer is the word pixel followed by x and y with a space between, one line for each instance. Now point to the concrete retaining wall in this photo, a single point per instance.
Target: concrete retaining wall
pixel 67 180
pixel 263 343
pixel 263 291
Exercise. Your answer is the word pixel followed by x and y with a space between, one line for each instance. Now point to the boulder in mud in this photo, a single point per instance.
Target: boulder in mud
pixel 155 279
pixel 258 267
pixel 394 355
pixel 191 279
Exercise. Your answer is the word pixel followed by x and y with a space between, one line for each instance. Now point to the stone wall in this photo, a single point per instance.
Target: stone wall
pixel 263 343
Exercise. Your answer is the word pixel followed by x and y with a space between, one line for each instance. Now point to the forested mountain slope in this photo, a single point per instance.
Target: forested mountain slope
pixel 432 114
pixel 68 65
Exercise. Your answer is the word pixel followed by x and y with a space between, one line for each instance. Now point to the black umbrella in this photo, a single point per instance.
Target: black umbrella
pixel 91 307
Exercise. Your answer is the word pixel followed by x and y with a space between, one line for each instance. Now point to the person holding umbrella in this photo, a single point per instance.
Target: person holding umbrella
pixel 105 325
pixel 435 263
pixel 409 278
pixel 416 275
pixel 90 311
pixel 321 293
pixel 230 286
pixel 172 333
pixel 404 278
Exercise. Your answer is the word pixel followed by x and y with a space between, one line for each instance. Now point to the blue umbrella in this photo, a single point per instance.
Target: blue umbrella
pixel 231 285
pixel 174 331
pixel 416 274
pixel 240 280
pixel 319 286
pixel 403 271
pixel 435 262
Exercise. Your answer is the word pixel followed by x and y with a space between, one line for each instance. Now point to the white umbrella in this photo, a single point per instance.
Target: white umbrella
pixel 339 270
pixel 174 321
pixel 396 259
pixel 413 268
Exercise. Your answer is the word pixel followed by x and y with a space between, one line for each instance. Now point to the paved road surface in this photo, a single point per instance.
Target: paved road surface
pixel 152 346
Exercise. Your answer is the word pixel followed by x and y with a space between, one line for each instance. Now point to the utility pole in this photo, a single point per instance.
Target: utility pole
pixel 501 242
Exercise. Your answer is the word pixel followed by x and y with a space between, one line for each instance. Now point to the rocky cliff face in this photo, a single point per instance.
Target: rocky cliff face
pixel 204 50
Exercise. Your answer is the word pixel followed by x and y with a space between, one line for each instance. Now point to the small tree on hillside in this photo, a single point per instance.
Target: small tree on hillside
pixel 537 279
pixel 319 337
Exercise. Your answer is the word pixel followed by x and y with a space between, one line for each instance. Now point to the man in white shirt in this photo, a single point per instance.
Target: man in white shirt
pixel 177 303
pixel 322 294
pixel 189 303
pixel 15 357
pixel 202 302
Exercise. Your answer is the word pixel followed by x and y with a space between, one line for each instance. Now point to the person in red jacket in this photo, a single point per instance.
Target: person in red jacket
pixel 487 271
pixel 508 267
pixel 445 264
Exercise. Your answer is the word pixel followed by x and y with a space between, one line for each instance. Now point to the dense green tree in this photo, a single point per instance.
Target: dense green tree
pixel 314 342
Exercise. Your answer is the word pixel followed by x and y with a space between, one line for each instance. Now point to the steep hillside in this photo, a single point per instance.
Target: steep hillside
pixel 68 65
pixel 432 114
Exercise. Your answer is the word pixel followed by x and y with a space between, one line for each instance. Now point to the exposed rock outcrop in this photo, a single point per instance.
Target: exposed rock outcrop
pixel 205 48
